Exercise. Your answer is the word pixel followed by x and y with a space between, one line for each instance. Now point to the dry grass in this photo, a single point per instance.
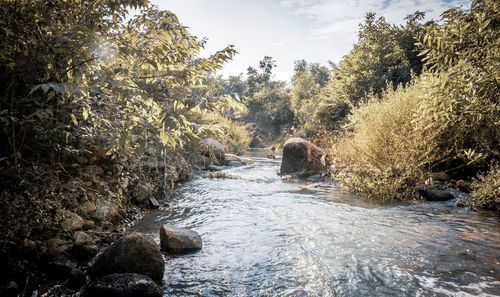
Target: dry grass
pixel 388 148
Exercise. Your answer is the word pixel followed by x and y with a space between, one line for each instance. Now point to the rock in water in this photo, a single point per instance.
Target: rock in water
pixel 231 160
pixel 134 253
pixel 301 156
pixel 179 240
pixel 435 193
pixel 123 285
pixel 214 147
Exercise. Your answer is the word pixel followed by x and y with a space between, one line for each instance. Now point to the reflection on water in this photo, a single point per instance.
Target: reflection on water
pixel 264 236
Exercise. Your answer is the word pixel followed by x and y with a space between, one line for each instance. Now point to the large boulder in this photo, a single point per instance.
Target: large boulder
pixel 179 240
pixel 301 156
pixel 133 253
pixel 213 147
pixel 123 285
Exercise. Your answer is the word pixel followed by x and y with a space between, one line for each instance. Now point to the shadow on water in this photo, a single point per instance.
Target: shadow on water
pixel 264 236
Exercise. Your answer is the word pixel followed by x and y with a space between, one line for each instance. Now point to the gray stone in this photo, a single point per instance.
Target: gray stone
pixel 76 278
pixel 134 253
pixel 56 247
pixel 214 168
pixel 88 225
pixel 460 202
pixel 87 208
pixel 179 240
pixel 463 186
pixel 235 163
pixel 123 285
pixel 314 178
pixel 232 160
pixel 60 268
pixel 82 238
pixel 72 221
pixel 107 210
pixel 83 253
pixel 214 147
pixel 441 176
pixel 153 203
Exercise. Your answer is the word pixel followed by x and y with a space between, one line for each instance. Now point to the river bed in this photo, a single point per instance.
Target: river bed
pixel 266 236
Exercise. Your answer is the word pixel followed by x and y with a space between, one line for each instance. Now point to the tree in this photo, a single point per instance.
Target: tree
pixel 77 78
pixel 267 64
pixel 267 100
pixel 463 53
pixel 383 56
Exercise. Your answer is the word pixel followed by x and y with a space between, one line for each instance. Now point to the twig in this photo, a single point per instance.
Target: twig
pixel 79 64
pixel 25 286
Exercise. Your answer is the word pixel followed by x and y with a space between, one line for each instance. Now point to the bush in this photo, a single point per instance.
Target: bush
pixel 486 189
pixel 388 149
pixel 235 138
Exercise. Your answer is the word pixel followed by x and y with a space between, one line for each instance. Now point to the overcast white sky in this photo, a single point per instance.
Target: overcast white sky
pixel 289 30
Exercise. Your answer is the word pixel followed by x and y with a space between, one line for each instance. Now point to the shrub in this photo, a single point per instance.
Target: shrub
pixel 388 149
pixel 486 189
pixel 235 138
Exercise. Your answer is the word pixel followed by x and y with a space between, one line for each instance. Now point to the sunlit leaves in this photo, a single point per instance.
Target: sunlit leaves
pixel 464 52
pixel 130 83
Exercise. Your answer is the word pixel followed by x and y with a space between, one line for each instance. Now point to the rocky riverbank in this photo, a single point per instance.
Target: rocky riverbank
pixel 98 204
pixel 90 208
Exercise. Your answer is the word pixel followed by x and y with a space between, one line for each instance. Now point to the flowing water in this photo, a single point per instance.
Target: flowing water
pixel 265 236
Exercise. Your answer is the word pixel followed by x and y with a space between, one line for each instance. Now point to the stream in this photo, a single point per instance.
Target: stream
pixel 266 236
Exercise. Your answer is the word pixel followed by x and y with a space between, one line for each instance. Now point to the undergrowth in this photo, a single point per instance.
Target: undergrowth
pixel 486 189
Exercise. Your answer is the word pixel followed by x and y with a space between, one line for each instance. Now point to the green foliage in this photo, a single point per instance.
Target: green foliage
pixel 486 189
pixel 376 59
pixel 465 52
pixel 445 120
pixel 303 95
pixel 384 54
pixel 130 83
pixel 235 138
pixel 268 101
pixel 78 79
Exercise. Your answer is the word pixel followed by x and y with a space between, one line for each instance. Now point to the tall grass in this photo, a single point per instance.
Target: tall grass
pixel 388 146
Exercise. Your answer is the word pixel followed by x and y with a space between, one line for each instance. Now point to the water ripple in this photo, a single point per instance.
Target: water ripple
pixel 264 236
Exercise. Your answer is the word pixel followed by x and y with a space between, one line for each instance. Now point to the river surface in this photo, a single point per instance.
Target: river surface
pixel 265 236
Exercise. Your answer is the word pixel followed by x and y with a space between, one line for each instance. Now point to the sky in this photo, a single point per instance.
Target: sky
pixel 288 30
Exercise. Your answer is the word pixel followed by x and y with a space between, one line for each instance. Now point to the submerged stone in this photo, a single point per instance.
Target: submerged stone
pixel 435 193
pixel 123 285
